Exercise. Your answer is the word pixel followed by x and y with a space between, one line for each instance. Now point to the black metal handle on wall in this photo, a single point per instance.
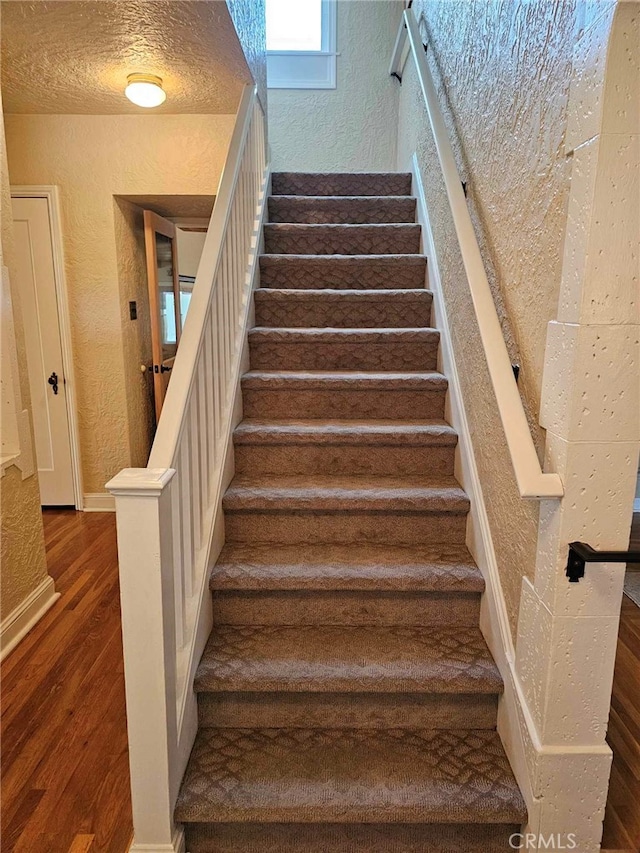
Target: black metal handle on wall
pixel 580 553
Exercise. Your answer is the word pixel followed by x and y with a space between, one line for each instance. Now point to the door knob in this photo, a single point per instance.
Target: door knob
pixel 53 381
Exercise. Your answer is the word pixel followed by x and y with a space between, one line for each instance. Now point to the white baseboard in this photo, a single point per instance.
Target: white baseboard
pixel 177 845
pixel 99 502
pixel 22 619
pixel 494 619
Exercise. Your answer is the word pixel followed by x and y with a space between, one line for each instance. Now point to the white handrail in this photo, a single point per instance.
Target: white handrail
pixel 168 513
pixel 163 452
pixel 532 481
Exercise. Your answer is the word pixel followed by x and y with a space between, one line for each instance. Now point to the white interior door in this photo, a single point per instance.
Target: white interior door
pixel 37 288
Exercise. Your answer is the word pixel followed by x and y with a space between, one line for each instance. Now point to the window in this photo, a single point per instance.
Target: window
pixel 301 44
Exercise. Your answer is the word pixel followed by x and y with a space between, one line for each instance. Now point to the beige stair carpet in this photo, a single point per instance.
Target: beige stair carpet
pixel 347 700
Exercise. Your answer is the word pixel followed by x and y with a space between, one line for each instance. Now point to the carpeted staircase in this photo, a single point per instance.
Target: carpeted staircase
pixel 347 699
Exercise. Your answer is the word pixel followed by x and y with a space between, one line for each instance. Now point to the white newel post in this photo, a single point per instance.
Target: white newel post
pixel 145 548
pixel 591 409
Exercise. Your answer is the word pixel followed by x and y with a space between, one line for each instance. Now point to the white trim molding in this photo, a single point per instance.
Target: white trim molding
pixel 98 502
pixel 52 196
pixel 23 618
pixel 177 845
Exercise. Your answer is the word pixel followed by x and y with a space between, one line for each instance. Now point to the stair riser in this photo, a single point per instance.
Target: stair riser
pixel 336 240
pixel 377 460
pixel 343 274
pixel 343 313
pixel 341 211
pixel 348 404
pixel 347 710
pixel 315 355
pixel 344 527
pixel 348 838
pixel 423 610
pixel 338 183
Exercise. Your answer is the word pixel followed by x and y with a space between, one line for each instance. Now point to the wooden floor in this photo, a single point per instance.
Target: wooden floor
pixel 622 819
pixel 65 775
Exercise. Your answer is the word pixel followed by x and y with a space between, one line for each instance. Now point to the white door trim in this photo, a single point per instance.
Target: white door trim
pixel 51 194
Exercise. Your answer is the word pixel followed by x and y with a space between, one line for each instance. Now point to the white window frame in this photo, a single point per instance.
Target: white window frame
pixel 307 69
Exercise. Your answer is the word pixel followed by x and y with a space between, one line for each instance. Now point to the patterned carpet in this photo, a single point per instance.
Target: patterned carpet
pixel 347 699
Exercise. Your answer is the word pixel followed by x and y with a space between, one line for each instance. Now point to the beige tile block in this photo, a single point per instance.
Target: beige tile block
pixel 559 661
pixel 573 796
pixel 580 673
pixel 599 480
pixel 591 387
pixel 601 264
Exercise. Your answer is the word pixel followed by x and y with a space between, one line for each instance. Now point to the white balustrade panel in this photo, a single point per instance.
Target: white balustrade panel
pixel 166 513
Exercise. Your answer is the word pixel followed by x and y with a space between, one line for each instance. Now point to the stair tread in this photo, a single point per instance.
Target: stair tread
pixel 341 183
pixel 345 378
pixel 442 568
pixel 390 260
pixel 361 492
pixel 318 227
pixel 348 271
pixel 322 199
pixel 318 658
pixel 350 838
pixel 387 432
pixel 349 776
pixel 344 335
pixel 328 294
pixel 342 239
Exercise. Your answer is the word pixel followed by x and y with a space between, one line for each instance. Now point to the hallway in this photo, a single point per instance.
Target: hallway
pixel 65 775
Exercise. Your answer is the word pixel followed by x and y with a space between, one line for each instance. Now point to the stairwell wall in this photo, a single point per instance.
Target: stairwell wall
pixel 93 158
pixel 503 82
pixel 351 128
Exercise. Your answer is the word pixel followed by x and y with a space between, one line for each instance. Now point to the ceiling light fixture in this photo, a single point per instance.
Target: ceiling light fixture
pixel 145 90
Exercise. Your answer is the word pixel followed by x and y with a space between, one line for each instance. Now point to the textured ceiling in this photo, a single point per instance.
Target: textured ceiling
pixel 74 57
pixel 187 206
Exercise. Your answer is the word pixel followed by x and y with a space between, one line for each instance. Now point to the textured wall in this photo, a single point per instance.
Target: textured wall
pixel 352 127
pixel 248 18
pixel 503 71
pixel 22 538
pixel 92 159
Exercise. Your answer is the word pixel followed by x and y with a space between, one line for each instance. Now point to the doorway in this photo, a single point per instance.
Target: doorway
pixel 42 293
pixel 172 255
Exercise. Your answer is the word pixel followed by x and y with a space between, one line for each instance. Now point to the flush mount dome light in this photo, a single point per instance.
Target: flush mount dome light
pixel 145 90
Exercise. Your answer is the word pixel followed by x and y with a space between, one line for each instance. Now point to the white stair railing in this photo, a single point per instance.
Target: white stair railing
pixel 532 481
pixel 167 512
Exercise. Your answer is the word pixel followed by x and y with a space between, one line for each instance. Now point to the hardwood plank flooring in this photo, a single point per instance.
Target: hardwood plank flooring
pixel 622 818
pixel 65 772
